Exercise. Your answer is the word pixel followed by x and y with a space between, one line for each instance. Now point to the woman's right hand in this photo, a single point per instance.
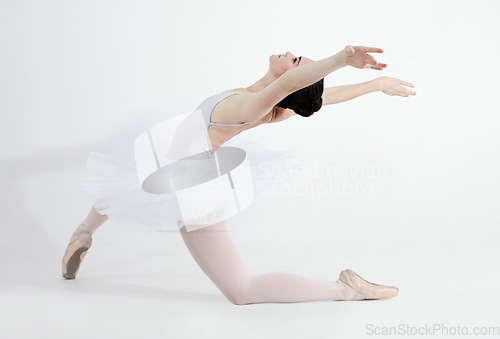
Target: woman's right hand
pixel 393 86
pixel 357 56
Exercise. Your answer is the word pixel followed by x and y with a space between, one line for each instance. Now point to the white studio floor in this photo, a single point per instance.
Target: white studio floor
pixel 135 283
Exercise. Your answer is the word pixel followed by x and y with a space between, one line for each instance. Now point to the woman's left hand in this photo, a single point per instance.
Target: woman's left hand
pixel 393 86
pixel 358 57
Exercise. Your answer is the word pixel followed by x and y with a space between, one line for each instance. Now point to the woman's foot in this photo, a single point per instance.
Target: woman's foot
pixel 80 242
pixel 353 287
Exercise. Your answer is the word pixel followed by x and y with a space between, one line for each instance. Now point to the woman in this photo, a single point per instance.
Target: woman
pixel 292 86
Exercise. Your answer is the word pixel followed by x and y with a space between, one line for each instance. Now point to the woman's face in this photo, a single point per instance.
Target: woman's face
pixel 280 63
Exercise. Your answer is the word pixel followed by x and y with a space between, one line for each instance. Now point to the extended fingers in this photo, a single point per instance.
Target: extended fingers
pixel 406 83
pixel 372 63
pixel 372 49
pixel 376 65
pixel 401 82
pixel 405 92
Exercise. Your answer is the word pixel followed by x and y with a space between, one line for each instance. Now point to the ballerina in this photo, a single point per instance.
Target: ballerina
pixel 292 86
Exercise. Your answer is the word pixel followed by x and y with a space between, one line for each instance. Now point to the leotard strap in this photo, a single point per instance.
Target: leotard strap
pixel 207 106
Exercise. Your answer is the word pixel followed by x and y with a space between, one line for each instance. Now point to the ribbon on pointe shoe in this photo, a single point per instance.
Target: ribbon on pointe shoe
pixel 371 290
pixel 341 291
pixel 84 228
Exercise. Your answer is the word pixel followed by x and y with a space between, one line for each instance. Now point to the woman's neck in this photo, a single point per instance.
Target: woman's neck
pixel 262 83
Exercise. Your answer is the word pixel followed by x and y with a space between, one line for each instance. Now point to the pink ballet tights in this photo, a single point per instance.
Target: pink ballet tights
pixel 215 253
pixel 90 224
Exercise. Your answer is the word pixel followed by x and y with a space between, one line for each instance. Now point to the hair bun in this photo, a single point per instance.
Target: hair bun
pixel 300 102
pixel 308 108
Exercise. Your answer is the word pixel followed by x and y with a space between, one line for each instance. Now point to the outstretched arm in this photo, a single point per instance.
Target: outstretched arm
pixel 389 86
pixel 334 95
pixel 256 105
pixel 312 72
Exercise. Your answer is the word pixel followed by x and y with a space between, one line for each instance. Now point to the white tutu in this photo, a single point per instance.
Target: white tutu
pixel 113 181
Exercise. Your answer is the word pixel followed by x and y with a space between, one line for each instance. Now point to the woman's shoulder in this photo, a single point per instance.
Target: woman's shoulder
pixel 240 90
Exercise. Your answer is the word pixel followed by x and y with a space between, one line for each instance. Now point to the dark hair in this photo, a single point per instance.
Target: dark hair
pixel 305 101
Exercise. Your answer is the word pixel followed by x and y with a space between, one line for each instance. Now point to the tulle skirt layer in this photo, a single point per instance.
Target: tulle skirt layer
pixel 112 180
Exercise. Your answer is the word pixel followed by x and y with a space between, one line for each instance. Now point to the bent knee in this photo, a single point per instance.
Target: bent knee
pixel 239 299
pixel 240 295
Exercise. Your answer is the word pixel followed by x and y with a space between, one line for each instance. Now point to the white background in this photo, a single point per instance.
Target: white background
pixel 428 224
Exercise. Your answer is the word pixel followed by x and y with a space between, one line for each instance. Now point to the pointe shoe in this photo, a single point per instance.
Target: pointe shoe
pixel 75 252
pixel 373 291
